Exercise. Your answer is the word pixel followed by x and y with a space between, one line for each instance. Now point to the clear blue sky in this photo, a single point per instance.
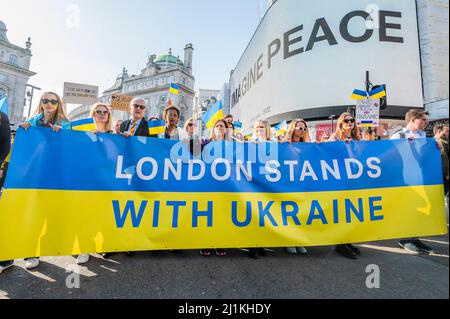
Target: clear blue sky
pixel 111 34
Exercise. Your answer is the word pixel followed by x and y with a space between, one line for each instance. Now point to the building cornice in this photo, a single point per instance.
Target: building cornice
pixel 15 47
pixel 16 68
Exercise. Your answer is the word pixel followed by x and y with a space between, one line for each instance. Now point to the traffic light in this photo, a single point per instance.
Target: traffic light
pixel 383 100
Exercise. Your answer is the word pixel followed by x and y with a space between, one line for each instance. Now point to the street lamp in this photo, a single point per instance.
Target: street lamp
pixel 332 117
pixel 30 95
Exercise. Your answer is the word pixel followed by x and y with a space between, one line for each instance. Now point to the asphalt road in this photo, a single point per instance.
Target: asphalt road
pixel 186 275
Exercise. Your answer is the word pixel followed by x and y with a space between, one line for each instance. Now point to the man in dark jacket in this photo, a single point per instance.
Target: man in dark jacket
pixel 5 136
pixel 136 125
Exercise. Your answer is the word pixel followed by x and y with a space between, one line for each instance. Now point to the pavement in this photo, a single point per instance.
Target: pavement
pixel 187 275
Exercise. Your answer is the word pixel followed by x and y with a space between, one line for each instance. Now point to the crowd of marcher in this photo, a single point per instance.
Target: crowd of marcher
pixel 50 114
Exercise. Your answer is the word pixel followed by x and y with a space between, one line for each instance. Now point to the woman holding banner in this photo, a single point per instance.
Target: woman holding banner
pixel 262 132
pixel 172 116
pixel 218 134
pixel 102 116
pixel 348 131
pixel 50 113
pixel 298 132
pixel 190 126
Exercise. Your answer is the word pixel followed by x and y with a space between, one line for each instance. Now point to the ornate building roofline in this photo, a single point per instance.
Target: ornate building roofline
pixel 16 68
pixel 16 47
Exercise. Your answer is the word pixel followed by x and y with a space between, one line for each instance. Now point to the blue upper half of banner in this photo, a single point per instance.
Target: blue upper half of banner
pixel 82 161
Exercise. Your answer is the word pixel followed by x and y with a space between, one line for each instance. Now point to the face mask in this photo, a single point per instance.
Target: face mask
pixel 217 131
pixel 261 131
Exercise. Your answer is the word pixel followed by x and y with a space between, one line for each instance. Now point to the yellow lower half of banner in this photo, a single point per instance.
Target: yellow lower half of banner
pixel 55 223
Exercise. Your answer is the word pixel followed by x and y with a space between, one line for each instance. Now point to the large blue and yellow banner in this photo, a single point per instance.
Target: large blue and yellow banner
pixel 76 192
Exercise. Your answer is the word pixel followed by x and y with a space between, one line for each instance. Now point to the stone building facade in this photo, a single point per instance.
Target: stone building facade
pixel 14 74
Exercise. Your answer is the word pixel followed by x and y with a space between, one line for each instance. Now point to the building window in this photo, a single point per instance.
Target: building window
pixel 2 92
pixel 3 78
pixel 13 59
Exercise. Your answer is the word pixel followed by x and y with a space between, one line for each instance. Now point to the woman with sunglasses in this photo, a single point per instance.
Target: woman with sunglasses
pixel 262 132
pixel 50 113
pixel 190 126
pixel 348 131
pixel 297 133
pixel 218 134
pixel 102 116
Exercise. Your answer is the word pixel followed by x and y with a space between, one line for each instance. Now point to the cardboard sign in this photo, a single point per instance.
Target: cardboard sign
pixel 121 102
pixel 75 93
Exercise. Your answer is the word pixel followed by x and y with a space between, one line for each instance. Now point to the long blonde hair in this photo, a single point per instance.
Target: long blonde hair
pixel 340 132
pixel 59 114
pixel 92 114
pixel 268 130
pixel 291 130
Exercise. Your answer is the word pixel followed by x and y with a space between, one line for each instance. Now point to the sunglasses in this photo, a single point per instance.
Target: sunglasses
pixel 100 112
pixel 52 102
pixel 191 124
pixel 349 121
pixel 137 106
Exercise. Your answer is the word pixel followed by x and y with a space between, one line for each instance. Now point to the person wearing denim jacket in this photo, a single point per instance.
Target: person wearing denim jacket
pixel 50 113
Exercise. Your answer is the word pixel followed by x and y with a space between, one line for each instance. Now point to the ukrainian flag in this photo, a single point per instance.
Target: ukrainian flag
pixel 85 125
pixel 156 127
pixel 214 114
pixel 237 126
pixel 377 93
pixel 359 95
pixel 174 88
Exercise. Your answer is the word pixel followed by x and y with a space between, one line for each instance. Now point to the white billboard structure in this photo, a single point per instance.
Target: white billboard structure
pixel 307 57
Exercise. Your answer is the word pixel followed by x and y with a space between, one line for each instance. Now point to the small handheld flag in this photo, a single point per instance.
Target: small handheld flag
pixel 281 126
pixel 85 125
pixel 359 95
pixel 237 126
pixel 214 114
pixel 377 93
pixel 4 105
pixel 156 127
pixel 174 89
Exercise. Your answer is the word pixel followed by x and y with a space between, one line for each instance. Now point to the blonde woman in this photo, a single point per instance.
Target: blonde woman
pixel 346 129
pixel 102 115
pixel 190 126
pixel 218 134
pixel 262 132
pixel 49 113
pixel 298 132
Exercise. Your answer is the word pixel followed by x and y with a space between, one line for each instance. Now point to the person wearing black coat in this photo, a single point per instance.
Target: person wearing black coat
pixel 136 125
pixel 5 136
